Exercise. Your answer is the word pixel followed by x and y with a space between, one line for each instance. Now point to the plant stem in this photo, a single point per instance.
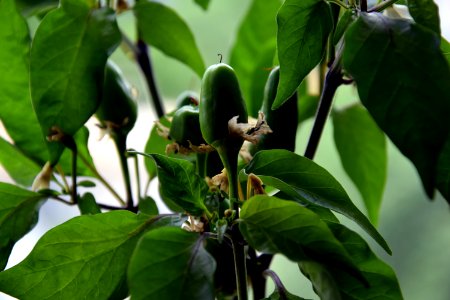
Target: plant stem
pixel 278 284
pixel 104 206
pixel 239 265
pixel 143 59
pixel 138 177
pixel 120 141
pixel 382 6
pixel 101 179
pixel 74 193
pixel 363 5
pixel 333 80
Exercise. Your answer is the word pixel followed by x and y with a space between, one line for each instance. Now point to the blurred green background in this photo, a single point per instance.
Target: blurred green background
pixel 418 230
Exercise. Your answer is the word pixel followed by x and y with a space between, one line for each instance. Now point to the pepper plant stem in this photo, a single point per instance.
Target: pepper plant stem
pixel 120 141
pixel 333 80
pixel 143 59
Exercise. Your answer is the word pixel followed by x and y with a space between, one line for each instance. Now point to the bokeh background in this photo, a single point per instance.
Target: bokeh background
pixel 417 229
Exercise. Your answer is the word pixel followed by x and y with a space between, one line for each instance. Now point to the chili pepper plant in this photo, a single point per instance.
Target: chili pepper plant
pixel 226 160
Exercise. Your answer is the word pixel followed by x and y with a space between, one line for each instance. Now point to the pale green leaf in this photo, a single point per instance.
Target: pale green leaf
pixel 162 28
pixel 362 148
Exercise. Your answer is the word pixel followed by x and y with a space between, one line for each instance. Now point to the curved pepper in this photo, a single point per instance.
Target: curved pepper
pixel 185 126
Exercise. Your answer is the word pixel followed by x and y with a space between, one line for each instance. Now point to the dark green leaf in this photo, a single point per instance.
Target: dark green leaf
pixel 163 28
pixel 21 169
pixel 88 205
pixel 254 49
pixel 170 263
pixel 402 79
pixel 344 21
pixel 303 29
pixel 425 13
pixel 272 225
pixel 86 183
pixel 332 283
pixel 83 258
pixel 18 215
pixel 362 148
pixel 16 111
pixel 306 181
pixel 181 184
pixel 66 80
pixel 147 205
pixel 203 3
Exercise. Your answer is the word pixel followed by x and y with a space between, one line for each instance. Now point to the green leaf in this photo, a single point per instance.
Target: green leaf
pixel 203 3
pixel 332 283
pixel 162 28
pixel 402 79
pixel 181 184
pixel 170 263
pixel 66 80
pixel 83 258
pixel 344 21
pixel 445 47
pixel 362 148
pixel 147 205
pixel 16 110
pixel 303 30
pixel 31 7
pixel 306 181
pixel 254 49
pixel 21 169
pixel 425 13
pixel 18 215
pixel 87 205
pixel 272 225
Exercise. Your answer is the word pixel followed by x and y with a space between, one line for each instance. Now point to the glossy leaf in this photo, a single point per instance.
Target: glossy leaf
pixel 87 205
pixel 181 184
pixel 162 28
pixel 19 167
pixel 147 205
pixel 18 215
pixel 344 21
pixel 306 181
pixel 402 79
pixel 83 258
pixel 425 13
pixel 31 7
pixel 16 111
pixel 66 80
pixel 170 263
pixel 271 225
pixel 332 283
pixel 362 148
pixel 203 3
pixel 254 49
pixel 303 30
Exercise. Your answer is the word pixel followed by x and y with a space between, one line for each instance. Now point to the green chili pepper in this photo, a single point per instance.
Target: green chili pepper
pixel 221 100
pixel 186 98
pixel 118 107
pixel 283 121
pixel 185 126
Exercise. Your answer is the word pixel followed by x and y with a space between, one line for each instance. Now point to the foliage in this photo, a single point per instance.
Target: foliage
pixel 268 200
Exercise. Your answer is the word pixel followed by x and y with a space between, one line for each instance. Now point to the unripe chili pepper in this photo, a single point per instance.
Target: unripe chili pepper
pixel 283 121
pixel 186 98
pixel 185 126
pixel 118 109
pixel 221 100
